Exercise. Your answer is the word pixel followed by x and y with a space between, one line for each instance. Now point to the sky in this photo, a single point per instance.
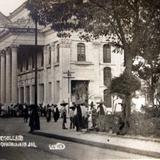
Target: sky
pixel 8 6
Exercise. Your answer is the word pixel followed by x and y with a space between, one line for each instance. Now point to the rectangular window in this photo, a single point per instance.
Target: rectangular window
pixel 41 59
pixel 49 55
pixel 81 56
pixel 33 94
pixel 27 63
pixel 41 93
pixel 57 91
pixel 49 92
pixel 21 95
pixel 58 52
pixel 107 76
pixel 27 95
pixel 107 53
pixel 107 98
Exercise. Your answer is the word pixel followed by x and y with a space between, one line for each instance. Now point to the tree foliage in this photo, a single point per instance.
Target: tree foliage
pixel 125 23
pixel 149 71
pixel 128 24
pixel 125 84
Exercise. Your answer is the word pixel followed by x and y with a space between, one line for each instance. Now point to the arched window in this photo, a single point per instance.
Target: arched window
pixel 107 98
pixel 107 76
pixel 81 56
pixel 106 53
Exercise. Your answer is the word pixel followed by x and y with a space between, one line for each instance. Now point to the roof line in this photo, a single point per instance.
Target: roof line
pixel 5 16
pixel 20 8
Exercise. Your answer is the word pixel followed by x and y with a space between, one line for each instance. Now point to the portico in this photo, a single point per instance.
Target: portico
pixel 8 72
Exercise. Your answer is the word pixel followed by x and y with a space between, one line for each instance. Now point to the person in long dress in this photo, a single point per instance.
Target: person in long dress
pixel 48 114
pixel 64 114
pixel 71 112
pixel 101 111
pixel 55 112
pixel 78 117
pixel 34 121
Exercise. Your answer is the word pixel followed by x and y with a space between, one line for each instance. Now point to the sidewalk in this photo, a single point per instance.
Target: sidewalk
pixel 137 145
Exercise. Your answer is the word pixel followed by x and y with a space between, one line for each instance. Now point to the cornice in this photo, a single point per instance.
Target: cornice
pixel 16 11
pixel 65 43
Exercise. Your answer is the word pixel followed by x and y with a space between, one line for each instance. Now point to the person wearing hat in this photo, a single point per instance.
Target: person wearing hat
pixel 78 116
pixel 34 121
pixel 48 114
pixel 92 116
pixel 71 113
pixel 64 114
pixel 84 110
pixel 55 112
pixel 25 112
pixel 101 111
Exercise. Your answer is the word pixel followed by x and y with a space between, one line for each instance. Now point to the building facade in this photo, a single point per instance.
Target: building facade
pixel 68 68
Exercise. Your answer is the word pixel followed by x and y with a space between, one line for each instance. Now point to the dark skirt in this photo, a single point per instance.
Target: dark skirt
pixel 34 122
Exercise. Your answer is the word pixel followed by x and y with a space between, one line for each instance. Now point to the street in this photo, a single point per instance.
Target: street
pixel 43 151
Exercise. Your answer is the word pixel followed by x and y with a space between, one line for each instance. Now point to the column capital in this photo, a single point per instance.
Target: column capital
pixel 53 44
pixel 45 47
pixel 14 46
pixel 2 52
pixel 8 50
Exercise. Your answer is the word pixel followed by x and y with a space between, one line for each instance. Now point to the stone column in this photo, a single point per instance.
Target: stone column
pixel 8 77
pixel 14 74
pixel 30 94
pixel 25 96
pixel 2 77
pixel 19 95
pixel 53 73
pixel 45 79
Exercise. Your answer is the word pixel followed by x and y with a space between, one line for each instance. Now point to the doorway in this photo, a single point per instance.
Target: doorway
pixel 79 90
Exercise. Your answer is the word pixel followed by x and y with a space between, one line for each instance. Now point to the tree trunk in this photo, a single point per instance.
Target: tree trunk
pixel 127 101
pixel 152 91
pixel 152 88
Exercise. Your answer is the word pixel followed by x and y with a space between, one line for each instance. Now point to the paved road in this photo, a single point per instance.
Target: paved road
pixel 72 150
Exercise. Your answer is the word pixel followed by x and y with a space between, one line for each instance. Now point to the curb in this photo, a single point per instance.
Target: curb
pixel 132 137
pixel 138 138
pixel 98 144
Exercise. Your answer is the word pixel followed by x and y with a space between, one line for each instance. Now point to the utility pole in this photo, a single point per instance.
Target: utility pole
pixel 35 57
pixel 69 76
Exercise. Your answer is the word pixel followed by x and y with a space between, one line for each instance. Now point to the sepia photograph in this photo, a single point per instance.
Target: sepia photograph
pixel 79 79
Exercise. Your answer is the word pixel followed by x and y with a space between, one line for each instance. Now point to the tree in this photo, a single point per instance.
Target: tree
pixel 149 71
pixel 148 68
pixel 122 22
pixel 125 86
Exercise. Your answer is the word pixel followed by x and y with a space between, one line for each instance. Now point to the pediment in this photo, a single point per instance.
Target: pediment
pixel 4 21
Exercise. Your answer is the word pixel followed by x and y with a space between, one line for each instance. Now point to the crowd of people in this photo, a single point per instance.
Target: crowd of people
pixel 79 115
